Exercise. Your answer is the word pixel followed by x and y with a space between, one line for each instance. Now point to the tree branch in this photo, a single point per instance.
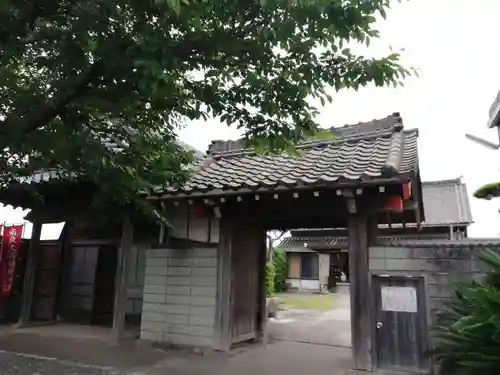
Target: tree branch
pixel 28 16
pixel 45 112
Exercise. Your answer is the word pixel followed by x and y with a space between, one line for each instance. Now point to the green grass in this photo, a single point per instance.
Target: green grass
pixel 307 301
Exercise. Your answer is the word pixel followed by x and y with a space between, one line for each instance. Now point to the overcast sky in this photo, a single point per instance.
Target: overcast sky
pixel 454 44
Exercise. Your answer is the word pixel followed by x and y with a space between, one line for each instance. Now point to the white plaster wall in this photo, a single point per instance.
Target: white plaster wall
pixel 180 296
pixel 302 284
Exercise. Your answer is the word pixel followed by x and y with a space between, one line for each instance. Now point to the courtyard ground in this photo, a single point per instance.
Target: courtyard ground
pixel 76 350
pixel 313 319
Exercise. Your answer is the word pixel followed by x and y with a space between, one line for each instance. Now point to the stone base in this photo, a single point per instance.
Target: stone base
pixel 272 307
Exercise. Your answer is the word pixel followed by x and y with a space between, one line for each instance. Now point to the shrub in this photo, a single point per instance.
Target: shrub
pixel 270 274
pixel 281 271
pixel 468 330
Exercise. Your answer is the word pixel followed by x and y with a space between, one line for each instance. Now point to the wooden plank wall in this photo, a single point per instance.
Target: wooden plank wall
pixel 80 291
pixel 46 282
pixel 294 265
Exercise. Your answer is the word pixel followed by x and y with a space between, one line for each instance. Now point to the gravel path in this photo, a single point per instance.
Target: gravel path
pixel 330 327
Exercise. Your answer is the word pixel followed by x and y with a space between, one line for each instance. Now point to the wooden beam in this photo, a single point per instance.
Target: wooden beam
pixel 223 310
pixel 121 285
pixel 30 273
pixel 361 321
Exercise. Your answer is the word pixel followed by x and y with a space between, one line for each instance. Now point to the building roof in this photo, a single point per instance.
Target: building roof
pixel 465 242
pixel 47 175
pixel 494 112
pixel 341 243
pixel 446 202
pixel 367 152
pixel 298 243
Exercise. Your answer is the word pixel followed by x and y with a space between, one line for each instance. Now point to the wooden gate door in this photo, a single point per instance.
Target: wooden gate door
pixel 80 290
pixel 46 282
pixel 401 323
pixel 247 242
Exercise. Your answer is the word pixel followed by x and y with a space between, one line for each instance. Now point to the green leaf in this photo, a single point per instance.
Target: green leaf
pixel 383 13
pixel 175 5
pixel 136 71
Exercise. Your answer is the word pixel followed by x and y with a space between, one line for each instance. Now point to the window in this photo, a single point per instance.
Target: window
pixel 309 266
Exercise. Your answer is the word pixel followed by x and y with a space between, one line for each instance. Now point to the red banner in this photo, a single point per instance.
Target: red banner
pixel 11 244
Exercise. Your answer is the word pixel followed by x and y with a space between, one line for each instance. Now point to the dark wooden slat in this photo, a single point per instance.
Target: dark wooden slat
pixel 79 293
pixel 361 325
pixel 120 305
pixel 262 260
pixel 65 266
pixel 29 276
pixel 245 272
pixel 46 282
pixel 223 310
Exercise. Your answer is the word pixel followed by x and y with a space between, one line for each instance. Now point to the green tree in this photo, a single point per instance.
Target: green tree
pixel 280 271
pixel 270 277
pixel 77 76
pixel 488 191
pixel 468 330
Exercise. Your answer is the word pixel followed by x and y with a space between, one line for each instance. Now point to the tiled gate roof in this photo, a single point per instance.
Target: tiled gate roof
pixel 366 152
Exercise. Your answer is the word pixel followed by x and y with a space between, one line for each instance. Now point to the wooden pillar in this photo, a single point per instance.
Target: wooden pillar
pixel 372 229
pixel 121 285
pixel 361 322
pixel 223 310
pixel 262 263
pixel 30 273
pixel 65 262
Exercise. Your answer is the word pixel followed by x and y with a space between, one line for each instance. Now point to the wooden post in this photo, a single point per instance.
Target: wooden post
pixel 262 263
pixel 30 273
pixel 65 260
pixel 372 229
pixel 121 285
pixel 361 324
pixel 223 309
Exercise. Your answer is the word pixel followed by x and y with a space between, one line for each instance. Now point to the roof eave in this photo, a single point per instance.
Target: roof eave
pixel 494 112
pixel 272 189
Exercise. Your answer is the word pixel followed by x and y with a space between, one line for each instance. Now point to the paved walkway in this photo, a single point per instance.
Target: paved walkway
pixel 330 327
pixel 275 359
pixel 54 350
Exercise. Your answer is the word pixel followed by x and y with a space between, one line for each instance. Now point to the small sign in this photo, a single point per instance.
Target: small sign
pixel 399 298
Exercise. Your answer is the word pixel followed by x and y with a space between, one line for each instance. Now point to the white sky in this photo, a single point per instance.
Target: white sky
pixel 454 44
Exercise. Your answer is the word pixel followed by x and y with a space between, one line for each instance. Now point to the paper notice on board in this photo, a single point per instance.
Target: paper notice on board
pixel 399 298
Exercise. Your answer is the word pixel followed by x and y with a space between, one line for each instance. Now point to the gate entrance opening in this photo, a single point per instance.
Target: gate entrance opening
pixel 351 182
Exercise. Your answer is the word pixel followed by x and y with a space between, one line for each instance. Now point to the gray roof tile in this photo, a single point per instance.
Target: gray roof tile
pixel 47 175
pixel 378 149
pixel 296 243
pixel 342 242
pixel 466 242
